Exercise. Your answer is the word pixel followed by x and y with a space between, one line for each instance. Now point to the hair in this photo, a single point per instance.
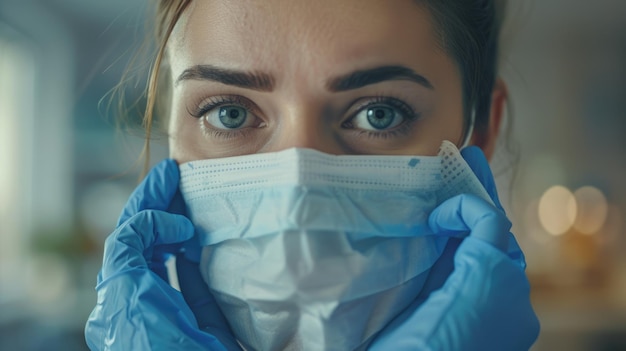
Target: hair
pixel 467 30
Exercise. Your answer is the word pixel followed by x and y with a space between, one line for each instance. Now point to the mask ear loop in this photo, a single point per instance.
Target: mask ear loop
pixel 470 130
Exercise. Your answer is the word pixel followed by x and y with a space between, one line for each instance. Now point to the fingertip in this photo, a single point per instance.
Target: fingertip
pixel 477 161
pixel 172 228
pixel 155 192
pixel 171 160
pixel 188 229
pixel 443 220
pixel 170 163
pixel 433 220
pixel 167 170
pixel 471 152
pixel 182 225
pixel 466 212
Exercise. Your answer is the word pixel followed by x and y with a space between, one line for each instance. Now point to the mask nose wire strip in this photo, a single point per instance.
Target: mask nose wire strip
pixel 470 130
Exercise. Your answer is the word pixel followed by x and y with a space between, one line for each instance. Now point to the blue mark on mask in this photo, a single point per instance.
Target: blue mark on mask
pixel 413 162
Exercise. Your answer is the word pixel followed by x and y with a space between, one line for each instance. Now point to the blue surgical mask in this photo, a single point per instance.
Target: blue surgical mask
pixel 308 251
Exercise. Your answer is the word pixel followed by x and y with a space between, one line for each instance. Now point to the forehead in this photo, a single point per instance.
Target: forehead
pixel 318 34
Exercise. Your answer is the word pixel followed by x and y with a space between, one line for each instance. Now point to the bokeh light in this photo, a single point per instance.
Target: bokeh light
pixel 557 210
pixel 592 210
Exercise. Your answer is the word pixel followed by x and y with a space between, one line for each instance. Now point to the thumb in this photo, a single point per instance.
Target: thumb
pixel 155 192
pixel 467 212
pixel 477 161
pixel 202 303
pixel 132 244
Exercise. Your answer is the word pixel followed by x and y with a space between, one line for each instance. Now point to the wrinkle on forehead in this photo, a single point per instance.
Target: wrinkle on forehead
pixel 274 34
pixel 216 24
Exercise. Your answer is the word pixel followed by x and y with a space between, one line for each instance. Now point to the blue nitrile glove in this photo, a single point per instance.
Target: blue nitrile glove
pixel 476 296
pixel 137 309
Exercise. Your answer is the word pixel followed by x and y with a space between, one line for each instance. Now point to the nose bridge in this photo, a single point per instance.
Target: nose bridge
pixel 305 126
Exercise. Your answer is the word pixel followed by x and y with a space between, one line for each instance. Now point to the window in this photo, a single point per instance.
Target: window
pixel 16 96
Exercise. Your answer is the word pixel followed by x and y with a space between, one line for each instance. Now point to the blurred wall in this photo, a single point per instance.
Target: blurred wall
pixel 67 170
pixel 565 64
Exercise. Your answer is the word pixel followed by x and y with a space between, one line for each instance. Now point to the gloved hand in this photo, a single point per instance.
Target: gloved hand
pixel 136 308
pixel 476 296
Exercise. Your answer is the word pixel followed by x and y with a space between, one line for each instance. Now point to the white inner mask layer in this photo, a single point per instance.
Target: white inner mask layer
pixel 309 251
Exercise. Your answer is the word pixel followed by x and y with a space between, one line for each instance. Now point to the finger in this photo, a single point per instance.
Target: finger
pixel 441 270
pixel 197 294
pixel 201 302
pixel 177 205
pixel 470 213
pixel 162 253
pixel 155 192
pixel 477 161
pixel 483 305
pixel 131 245
pixel 137 311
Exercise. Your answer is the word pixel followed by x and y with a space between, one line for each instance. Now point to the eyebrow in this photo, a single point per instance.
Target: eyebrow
pixel 265 82
pixel 249 80
pixel 361 78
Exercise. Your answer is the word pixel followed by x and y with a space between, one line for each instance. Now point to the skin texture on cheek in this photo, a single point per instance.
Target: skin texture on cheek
pixel 302 44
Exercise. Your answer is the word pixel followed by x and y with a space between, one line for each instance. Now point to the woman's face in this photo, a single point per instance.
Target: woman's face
pixel 342 77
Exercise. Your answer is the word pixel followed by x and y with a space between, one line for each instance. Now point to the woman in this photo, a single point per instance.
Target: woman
pixel 348 77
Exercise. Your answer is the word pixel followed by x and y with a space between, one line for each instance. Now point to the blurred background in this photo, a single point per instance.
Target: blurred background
pixel 67 169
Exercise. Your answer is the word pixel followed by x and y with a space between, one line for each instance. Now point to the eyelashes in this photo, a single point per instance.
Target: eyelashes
pixel 395 103
pixel 381 116
pixel 202 107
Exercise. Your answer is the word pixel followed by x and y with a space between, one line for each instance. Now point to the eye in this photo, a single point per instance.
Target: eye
pixel 377 117
pixel 226 114
pixel 229 117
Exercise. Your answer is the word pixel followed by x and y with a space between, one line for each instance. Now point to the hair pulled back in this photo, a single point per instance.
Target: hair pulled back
pixel 467 30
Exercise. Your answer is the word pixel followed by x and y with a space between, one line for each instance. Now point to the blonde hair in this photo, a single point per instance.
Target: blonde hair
pixel 154 95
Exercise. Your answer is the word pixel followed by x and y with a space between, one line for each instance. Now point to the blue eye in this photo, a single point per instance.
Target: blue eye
pixel 377 117
pixel 228 117
pixel 232 116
